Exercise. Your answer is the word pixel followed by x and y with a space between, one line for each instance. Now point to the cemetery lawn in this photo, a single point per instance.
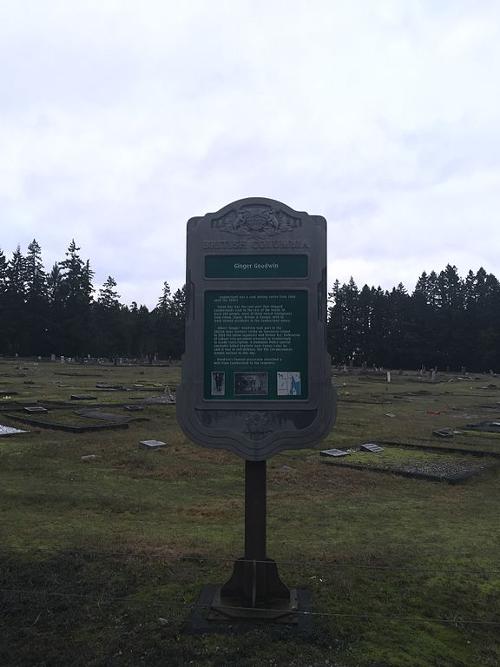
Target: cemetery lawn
pixel 102 557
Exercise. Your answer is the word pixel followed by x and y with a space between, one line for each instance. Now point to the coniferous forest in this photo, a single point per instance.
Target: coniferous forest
pixel 61 312
pixel 448 321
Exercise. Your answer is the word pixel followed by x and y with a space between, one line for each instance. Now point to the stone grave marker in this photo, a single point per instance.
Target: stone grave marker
pixel 9 430
pixel 152 444
pixel 486 426
pixel 165 399
pixel 371 447
pixel 82 397
pixel 35 408
pixel 103 416
pixel 334 452
pixel 443 433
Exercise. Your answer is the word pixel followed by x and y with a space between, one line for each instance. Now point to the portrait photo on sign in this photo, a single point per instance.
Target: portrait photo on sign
pixel 288 383
pixel 218 383
pixel 250 384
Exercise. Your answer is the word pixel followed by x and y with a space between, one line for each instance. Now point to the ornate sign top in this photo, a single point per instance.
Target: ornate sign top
pixel 256 220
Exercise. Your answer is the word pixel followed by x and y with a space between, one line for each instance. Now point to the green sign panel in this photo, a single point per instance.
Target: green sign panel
pixel 256 345
pixel 256 266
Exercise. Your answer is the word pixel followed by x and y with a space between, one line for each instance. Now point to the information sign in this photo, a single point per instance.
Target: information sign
pixel 256 374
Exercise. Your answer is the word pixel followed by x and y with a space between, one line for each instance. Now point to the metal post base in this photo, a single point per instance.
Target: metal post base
pixel 211 615
pixel 284 610
pixel 255 583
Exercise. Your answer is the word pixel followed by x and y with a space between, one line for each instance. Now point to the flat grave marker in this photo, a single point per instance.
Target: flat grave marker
pixel 334 452
pixel 152 444
pixel 164 399
pixel 371 447
pixel 444 433
pixel 485 427
pixel 9 430
pixel 103 416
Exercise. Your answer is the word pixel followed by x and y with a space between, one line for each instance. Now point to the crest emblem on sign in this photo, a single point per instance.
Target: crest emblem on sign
pixel 256 221
pixel 258 425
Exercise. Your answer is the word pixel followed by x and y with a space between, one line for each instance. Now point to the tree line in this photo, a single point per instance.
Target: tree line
pixel 60 312
pixel 446 322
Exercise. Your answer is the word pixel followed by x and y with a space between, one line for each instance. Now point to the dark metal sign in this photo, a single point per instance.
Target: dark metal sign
pixel 256 374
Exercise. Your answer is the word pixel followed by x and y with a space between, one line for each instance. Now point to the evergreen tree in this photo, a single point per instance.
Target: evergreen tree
pixel 108 296
pixel 15 312
pixel 179 316
pixel 164 304
pixel 398 328
pixel 110 326
pixel 4 335
pixel 55 301
pixel 168 317
pixel 76 292
pixel 344 333
pixel 37 314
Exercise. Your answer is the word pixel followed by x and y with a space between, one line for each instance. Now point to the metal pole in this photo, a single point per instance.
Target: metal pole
pixel 255 580
pixel 255 510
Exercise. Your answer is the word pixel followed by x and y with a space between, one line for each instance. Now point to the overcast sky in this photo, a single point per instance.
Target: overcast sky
pixel 120 120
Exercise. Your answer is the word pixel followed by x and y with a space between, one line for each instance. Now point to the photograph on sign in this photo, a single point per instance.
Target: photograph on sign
pixel 218 383
pixel 288 383
pixel 250 384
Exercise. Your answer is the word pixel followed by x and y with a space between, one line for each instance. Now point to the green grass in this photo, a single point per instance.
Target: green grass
pixel 101 559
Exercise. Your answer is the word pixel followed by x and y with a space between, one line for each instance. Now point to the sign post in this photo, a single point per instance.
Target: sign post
pixel 256 376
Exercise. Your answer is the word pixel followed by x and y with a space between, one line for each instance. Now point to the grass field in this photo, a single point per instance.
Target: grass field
pixel 102 558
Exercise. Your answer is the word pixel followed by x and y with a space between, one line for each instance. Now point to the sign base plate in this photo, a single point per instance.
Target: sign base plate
pixel 209 615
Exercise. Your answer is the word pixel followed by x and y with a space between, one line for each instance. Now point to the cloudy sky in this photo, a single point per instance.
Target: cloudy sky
pixel 120 120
